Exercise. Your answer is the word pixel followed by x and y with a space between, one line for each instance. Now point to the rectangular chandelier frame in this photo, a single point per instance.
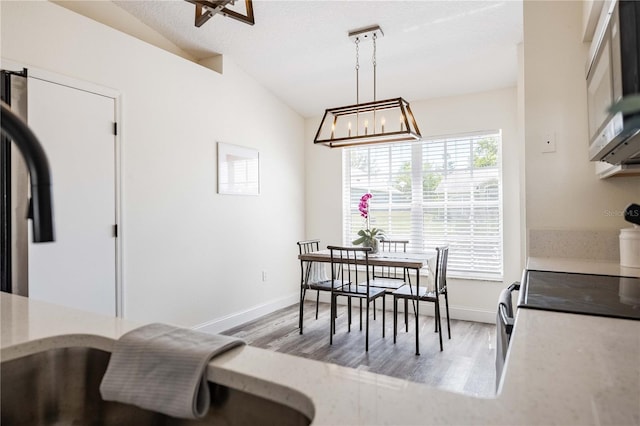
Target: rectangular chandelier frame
pixel 206 9
pixel 336 129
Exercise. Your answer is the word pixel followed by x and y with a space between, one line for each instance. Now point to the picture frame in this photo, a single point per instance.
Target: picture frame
pixel 238 170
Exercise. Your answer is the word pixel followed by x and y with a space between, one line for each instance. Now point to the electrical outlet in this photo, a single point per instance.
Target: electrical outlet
pixel 548 143
pixel 264 276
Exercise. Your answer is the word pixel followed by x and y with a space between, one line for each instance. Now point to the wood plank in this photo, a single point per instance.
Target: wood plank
pixel 467 364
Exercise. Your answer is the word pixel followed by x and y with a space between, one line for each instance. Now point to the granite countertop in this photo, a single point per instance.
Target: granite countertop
pixel 560 369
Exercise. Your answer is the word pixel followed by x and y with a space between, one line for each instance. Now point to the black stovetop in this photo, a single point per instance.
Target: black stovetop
pixel 602 295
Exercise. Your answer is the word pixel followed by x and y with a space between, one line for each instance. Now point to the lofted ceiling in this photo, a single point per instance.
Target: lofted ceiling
pixel 300 51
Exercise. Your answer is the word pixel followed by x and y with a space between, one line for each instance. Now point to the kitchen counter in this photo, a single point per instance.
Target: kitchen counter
pixel 560 369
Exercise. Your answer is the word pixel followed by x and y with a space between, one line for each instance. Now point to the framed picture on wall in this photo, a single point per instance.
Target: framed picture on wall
pixel 238 170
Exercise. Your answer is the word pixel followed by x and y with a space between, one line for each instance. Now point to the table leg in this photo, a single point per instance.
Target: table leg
pixel 349 314
pixel 395 318
pixel 384 296
pixel 439 320
pixel 331 321
pixel 406 315
pixel 301 308
pixel 417 312
pixel 366 339
pixel 304 280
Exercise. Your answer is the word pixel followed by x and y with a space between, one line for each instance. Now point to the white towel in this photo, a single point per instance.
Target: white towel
pixel 318 273
pixel 163 368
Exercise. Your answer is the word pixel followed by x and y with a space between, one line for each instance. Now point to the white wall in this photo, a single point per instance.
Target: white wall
pixel 114 16
pixel 562 190
pixel 469 299
pixel 590 14
pixel 191 256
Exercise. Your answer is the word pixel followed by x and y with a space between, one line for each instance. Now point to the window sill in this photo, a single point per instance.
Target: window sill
pixel 474 277
pixel 469 277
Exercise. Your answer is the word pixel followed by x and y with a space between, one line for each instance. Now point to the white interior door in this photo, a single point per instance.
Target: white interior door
pixel 76 129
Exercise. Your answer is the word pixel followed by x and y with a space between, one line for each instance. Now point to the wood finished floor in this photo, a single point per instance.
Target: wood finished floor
pixel 467 364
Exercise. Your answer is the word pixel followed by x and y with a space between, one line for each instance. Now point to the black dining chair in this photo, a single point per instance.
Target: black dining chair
pixel 350 270
pixel 423 294
pixel 387 277
pixel 307 279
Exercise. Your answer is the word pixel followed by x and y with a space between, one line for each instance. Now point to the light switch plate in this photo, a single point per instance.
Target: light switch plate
pixel 548 143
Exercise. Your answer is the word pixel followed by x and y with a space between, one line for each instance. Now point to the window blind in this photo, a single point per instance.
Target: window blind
pixel 445 190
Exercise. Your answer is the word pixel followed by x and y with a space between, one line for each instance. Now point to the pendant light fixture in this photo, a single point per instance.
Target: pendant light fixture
pixel 206 9
pixel 390 120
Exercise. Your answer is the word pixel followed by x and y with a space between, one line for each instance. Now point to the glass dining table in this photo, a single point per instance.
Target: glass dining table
pixel 420 263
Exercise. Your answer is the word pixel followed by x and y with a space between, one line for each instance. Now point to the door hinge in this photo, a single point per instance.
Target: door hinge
pixel 115 129
pixel 115 231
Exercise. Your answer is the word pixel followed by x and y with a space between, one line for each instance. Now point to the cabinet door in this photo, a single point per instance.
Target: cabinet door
pixel 75 128
pixel 599 90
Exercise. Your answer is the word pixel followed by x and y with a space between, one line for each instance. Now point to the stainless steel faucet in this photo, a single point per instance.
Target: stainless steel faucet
pixel 40 207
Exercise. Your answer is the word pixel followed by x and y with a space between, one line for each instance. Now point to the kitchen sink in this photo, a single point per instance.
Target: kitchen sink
pixel 61 387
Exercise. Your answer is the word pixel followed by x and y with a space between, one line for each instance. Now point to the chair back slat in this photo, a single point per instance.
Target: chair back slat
pixel 346 267
pixel 441 268
pixel 393 246
pixel 304 247
pixel 308 246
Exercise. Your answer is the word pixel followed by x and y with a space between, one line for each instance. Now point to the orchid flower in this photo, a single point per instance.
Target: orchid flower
pixel 368 234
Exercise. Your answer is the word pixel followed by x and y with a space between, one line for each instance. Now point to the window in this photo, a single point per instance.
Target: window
pixel 432 191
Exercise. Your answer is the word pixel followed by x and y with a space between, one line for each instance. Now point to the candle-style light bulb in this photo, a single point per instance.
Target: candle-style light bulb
pixel 382 121
pixel 401 123
pixel 366 126
pixel 333 129
pixel 349 129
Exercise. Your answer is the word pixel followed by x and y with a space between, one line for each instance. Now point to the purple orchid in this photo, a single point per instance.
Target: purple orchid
pixel 364 205
pixel 368 236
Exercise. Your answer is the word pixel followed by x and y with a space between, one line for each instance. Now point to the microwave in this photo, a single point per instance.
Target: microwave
pixel 613 71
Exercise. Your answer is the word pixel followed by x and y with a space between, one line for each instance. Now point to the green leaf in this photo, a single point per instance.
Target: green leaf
pixel 362 233
pixel 376 232
pixel 359 241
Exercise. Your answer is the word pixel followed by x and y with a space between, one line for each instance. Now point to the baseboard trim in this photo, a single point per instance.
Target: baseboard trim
pixel 457 312
pixel 475 315
pixel 219 325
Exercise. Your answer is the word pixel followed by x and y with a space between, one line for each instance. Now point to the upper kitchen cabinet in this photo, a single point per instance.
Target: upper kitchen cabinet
pixel 612 72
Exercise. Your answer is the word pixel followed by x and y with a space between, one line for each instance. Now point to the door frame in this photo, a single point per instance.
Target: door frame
pixel 74 83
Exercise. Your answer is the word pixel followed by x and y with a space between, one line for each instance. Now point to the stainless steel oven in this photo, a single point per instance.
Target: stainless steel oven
pixel 504 327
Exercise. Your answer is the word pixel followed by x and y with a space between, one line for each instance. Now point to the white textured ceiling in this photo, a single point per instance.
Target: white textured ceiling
pixel 300 51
